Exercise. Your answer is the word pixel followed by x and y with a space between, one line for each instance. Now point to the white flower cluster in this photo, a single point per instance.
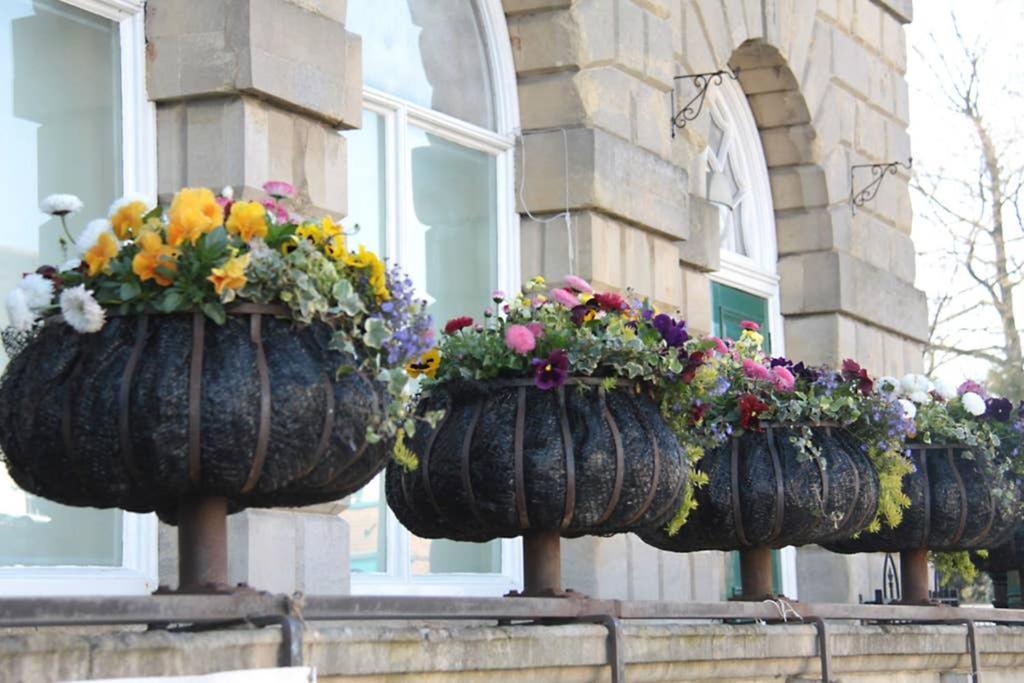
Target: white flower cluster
pixel 28 300
pixel 60 204
pixel 914 390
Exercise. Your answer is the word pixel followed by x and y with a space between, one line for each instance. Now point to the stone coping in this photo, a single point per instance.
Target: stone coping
pixel 654 651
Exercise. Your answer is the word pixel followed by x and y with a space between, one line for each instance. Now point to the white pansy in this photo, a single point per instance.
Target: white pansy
pixel 128 199
pixel 60 204
pixel 945 389
pixel 19 315
pixel 38 291
pixel 920 397
pixel 909 409
pixel 887 386
pixel 87 240
pixel 228 192
pixel 70 264
pixel 973 404
pixel 81 310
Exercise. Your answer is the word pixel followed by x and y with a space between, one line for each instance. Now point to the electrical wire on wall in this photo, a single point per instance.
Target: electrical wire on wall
pixel 565 213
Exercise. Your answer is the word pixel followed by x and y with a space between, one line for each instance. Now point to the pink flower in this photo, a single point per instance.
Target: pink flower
pixel 749 325
pixel 565 297
pixel 498 296
pixel 755 370
pixel 520 339
pixel 279 212
pixel 279 189
pixel 720 346
pixel 536 328
pixel 782 378
pixel 578 283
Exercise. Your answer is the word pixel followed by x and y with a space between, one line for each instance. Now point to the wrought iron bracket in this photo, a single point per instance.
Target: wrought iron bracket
pixel 691 110
pixel 878 173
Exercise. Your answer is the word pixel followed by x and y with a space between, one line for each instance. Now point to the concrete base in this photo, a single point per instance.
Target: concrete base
pixel 281 551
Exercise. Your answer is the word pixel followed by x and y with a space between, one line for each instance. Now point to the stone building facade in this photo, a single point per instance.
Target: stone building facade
pixel 480 142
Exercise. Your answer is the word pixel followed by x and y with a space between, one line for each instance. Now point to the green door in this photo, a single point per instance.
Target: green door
pixel 730 307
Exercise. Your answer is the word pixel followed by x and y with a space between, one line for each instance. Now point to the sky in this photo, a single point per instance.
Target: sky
pixel 943 143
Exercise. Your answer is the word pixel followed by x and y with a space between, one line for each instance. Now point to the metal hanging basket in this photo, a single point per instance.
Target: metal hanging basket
pixel 154 409
pixel 508 459
pixel 957 502
pixel 762 494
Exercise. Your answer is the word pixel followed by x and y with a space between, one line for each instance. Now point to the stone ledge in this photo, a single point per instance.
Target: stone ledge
pixel 575 652
pixel 836 282
pixel 605 173
pixel 239 46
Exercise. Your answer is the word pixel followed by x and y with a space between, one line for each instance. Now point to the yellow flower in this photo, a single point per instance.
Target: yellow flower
pixel 231 275
pixel 426 364
pixel 153 254
pixel 378 272
pixel 752 337
pixel 362 259
pixel 311 232
pixel 193 212
pixel 127 218
pixel 329 228
pixel 99 255
pixel 247 220
pixel 705 376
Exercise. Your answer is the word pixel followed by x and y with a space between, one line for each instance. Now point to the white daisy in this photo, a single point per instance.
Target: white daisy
pixel 228 192
pixel 19 315
pixel 91 234
pixel 973 404
pixel 38 291
pixel 887 386
pixel 81 310
pixel 60 204
pixel 945 389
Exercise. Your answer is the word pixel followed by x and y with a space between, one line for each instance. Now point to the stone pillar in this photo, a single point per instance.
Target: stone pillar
pixel 248 91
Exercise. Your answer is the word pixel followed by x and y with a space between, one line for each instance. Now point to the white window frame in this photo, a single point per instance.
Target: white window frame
pixel 397 115
pixel 138 572
pixel 757 275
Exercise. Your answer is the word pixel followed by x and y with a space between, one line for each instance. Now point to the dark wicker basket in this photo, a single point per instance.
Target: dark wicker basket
pixel 156 407
pixel 509 459
pixel 762 494
pixel 952 506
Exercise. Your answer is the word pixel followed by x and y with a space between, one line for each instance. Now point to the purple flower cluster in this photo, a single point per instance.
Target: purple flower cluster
pixel 672 331
pixel 406 316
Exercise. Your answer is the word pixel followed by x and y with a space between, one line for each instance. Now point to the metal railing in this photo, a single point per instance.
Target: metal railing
pixel 246 606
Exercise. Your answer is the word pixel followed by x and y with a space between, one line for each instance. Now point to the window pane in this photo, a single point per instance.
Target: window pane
pixel 430 52
pixel 451 250
pixel 367 198
pixel 450 244
pixel 367 520
pixel 60 129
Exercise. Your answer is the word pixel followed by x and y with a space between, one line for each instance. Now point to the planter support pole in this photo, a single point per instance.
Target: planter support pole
pixel 914 577
pixel 1000 589
pixel 756 573
pixel 542 563
pixel 202 544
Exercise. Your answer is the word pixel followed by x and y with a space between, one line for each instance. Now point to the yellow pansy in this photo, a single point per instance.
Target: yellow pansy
pixel 231 275
pixel 99 255
pixel 752 337
pixel 311 232
pixel 365 258
pixel 426 364
pixel 193 212
pixel 247 220
pixel 153 254
pixel 329 228
pixel 361 259
pixel 127 218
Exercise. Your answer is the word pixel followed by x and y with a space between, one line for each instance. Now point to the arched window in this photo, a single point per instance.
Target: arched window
pixel 431 186
pixel 746 287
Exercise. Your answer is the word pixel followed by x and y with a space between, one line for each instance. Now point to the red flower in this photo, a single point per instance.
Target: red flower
pixel 751 408
pixel 853 372
pixel 697 414
pixel 456 324
pixel 610 301
pixel 694 361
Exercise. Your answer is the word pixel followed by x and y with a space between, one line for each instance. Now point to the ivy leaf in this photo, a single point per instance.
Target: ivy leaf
pixel 348 299
pixel 377 333
pixel 214 311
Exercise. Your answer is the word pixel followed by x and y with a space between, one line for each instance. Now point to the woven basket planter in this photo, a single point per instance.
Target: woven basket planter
pixel 154 408
pixel 762 495
pixel 508 459
pixel 952 507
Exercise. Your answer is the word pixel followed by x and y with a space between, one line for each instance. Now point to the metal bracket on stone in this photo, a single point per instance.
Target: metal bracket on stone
pixel 878 173
pixel 691 110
